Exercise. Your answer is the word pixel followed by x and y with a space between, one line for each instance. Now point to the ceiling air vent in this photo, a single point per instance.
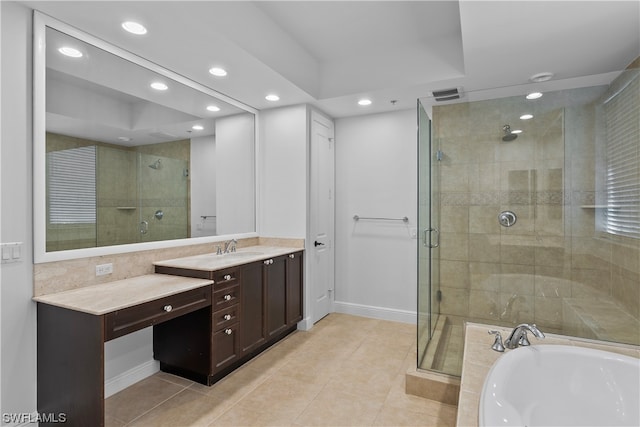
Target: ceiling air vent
pixel 446 94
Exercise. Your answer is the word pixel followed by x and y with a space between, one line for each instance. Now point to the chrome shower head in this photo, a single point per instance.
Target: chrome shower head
pixel 508 136
pixel 155 165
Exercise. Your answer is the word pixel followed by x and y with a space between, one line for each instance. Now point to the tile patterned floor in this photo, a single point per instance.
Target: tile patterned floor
pixel 346 371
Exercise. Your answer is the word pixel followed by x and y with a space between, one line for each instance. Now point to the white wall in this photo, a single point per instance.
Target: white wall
pixel 18 346
pixel 376 176
pixel 284 137
pixel 203 185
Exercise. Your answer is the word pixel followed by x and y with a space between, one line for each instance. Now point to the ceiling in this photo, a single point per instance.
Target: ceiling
pixel 333 53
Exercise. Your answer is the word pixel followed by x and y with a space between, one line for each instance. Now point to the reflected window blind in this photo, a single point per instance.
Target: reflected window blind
pixel 71 185
pixel 622 115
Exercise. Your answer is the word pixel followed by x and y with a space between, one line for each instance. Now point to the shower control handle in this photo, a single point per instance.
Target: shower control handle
pixel 507 218
pixel 144 227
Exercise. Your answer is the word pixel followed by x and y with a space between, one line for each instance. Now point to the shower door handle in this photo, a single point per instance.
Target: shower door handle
pixel 435 230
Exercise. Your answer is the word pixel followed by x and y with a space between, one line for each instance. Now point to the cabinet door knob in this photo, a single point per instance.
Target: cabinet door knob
pixel 227 317
pixel 292 256
pixel 228 277
pixel 227 297
pixel 167 308
pixel 228 331
pixel 268 262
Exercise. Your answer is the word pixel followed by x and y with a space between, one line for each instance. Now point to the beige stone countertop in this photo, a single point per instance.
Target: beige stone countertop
pixel 112 296
pixel 213 262
pixel 479 357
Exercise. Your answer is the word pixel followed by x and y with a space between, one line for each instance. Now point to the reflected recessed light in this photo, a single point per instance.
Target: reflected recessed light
pixel 541 77
pixel 197 127
pixel 534 95
pixel 364 102
pixel 159 86
pixel 70 51
pixel 272 97
pixel 218 72
pixel 526 116
pixel 213 108
pixel 134 28
pixel 516 131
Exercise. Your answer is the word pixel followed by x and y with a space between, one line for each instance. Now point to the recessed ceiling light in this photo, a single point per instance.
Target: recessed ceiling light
pixel 159 86
pixel 218 72
pixel 272 97
pixel 364 102
pixel 134 28
pixel 534 95
pixel 526 116
pixel 70 51
pixel 197 127
pixel 213 108
pixel 516 131
pixel 541 77
pixel 124 139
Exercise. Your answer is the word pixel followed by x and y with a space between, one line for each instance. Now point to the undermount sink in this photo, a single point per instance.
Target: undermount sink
pixel 556 385
pixel 240 255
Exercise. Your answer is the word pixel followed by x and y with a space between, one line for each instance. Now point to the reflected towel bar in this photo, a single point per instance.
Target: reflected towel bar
pixel 358 218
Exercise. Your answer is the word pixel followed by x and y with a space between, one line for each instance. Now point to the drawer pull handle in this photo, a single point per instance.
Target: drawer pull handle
pixel 228 277
pixel 167 308
pixel 269 261
pixel 227 317
pixel 228 331
pixel 227 297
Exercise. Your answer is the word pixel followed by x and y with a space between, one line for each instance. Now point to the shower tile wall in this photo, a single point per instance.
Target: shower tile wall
pixel 552 267
pixel 122 203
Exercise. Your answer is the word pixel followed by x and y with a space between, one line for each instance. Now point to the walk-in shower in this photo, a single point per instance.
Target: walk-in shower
pixel 571 261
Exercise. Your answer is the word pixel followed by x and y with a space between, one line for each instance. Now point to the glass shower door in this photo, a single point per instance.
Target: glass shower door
pixel 428 242
pixel 163 198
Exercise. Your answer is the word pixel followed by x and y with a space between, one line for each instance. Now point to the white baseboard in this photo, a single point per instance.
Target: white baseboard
pixel 130 377
pixel 381 313
pixel 305 324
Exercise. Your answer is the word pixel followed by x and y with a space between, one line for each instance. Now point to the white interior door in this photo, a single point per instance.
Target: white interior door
pixel 322 208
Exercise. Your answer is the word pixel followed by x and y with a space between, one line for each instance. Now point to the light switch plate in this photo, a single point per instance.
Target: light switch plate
pixel 11 252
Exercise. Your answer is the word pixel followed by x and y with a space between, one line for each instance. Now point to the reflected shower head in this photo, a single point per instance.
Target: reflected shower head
pixel 508 136
pixel 155 165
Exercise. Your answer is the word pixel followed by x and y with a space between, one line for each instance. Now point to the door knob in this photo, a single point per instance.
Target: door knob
pixel 316 244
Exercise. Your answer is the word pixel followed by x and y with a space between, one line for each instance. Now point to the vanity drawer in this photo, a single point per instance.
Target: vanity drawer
pixel 226 277
pixel 140 316
pixel 225 298
pixel 226 317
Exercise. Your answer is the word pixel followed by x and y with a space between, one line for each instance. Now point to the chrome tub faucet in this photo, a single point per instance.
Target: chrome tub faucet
pixel 518 336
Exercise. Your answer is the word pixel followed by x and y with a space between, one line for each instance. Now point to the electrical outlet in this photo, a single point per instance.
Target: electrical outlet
pixel 104 269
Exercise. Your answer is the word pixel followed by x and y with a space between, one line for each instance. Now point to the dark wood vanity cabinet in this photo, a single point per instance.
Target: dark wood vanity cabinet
pixel 275 282
pixel 252 333
pixel 252 307
pixel 294 280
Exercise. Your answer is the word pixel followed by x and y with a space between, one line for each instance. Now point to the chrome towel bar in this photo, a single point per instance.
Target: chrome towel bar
pixel 358 218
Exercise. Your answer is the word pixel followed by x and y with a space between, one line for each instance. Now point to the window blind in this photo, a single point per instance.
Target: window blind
pixel 71 183
pixel 622 115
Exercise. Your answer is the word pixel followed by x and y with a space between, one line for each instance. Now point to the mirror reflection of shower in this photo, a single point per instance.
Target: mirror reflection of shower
pixel 156 165
pixel 508 134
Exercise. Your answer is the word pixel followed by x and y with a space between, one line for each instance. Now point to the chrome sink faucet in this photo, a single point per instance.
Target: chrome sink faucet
pixel 230 246
pixel 518 336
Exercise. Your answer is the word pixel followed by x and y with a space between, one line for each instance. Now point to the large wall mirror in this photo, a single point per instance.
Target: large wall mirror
pixel 130 156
